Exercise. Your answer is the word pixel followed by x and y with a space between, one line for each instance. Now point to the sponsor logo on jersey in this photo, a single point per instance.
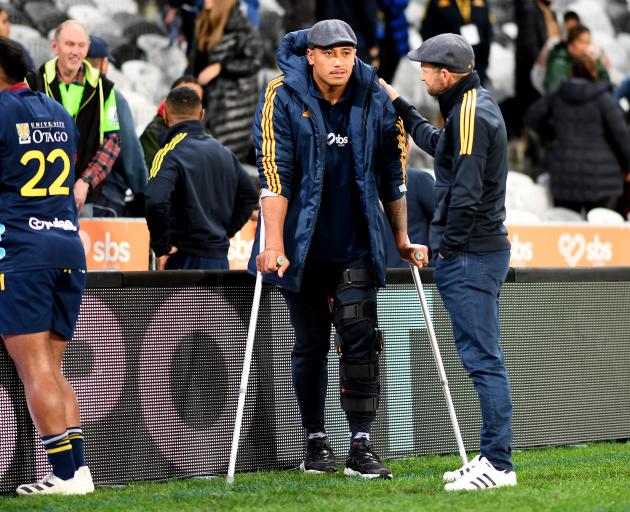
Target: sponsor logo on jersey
pixel 24 133
pixel 38 224
pixel 339 139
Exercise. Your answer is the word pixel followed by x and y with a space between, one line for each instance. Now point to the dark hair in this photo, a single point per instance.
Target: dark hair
pixel 187 79
pixel 12 60
pixel 576 32
pixel 571 15
pixel 585 66
pixel 183 101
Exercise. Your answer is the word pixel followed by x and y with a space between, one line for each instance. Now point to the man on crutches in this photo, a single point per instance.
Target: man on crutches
pixel 329 145
pixel 468 238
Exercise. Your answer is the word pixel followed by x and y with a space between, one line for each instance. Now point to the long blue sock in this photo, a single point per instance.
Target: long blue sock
pixel 59 451
pixel 75 434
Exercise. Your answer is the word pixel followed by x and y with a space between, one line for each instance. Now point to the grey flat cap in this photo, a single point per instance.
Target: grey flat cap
pixel 328 33
pixel 451 51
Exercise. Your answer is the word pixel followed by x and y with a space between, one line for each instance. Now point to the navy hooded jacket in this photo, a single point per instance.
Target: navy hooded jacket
pixel 290 141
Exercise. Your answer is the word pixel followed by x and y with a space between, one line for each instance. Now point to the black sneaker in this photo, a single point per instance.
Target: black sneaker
pixel 319 457
pixel 363 462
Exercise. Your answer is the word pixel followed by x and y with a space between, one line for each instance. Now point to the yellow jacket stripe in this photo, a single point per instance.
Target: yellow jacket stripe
pixel 402 145
pixel 1 282
pixel 159 156
pixel 270 168
pixel 467 122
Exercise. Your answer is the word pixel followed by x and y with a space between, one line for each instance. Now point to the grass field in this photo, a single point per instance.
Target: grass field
pixel 588 478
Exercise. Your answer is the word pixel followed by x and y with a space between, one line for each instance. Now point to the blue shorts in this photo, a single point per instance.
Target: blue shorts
pixel 41 300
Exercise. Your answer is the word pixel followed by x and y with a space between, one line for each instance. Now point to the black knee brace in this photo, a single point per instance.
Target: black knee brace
pixel 358 382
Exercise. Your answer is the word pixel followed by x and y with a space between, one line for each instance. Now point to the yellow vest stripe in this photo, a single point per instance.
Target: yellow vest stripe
pixel 159 157
pixel 462 125
pixel 471 134
pixel 402 146
pixel 270 168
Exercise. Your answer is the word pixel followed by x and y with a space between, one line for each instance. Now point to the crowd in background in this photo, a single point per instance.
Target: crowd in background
pixel 560 102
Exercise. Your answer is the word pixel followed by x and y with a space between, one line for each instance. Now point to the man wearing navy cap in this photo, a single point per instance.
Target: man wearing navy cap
pixel 130 170
pixel 468 237
pixel 329 145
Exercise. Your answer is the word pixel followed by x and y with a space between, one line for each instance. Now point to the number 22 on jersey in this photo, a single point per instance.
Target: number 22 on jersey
pixel 30 188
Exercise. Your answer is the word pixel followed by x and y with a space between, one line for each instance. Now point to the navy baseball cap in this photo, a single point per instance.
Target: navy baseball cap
pixel 329 33
pixel 450 51
pixel 99 49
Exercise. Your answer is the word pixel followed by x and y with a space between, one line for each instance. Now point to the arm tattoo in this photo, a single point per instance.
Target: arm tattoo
pixel 397 214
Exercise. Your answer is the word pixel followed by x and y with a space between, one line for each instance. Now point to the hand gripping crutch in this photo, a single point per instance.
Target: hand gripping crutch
pixel 249 348
pixel 438 358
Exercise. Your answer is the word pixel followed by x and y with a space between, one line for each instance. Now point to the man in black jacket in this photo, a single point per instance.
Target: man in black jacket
pixel 198 194
pixel 468 238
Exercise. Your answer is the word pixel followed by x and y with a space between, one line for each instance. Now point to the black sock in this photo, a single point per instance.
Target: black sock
pixel 75 434
pixel 59 452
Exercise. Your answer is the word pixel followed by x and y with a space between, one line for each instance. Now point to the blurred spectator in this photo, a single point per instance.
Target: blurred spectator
pixel 198 194
pixel 299 14
pixel 537 76
pixel 394 42
pixel 590 142
pixel 420 209
pixel 226 60
pixel 562 55
pixel 187 11
pixel 150 138
pixel 469 18
pixel 90 100
pixel 361 15
pixel 251 9
pixel 5 31
pixel 130 171
pixel 536 23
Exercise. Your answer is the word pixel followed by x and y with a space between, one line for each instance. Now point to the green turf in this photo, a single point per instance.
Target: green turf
pixel 590 478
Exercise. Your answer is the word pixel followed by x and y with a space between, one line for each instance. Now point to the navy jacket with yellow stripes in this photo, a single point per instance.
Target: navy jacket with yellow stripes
pixel 198 195
pixel 290 141
pixel 470 168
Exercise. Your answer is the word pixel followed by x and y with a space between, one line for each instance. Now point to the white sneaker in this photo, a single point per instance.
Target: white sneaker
pixel 451 476
pixel 483 476
pixel 50 484
pixel 83 478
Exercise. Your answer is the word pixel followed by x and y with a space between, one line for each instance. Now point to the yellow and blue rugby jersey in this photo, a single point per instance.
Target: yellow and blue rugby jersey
pixel 38 216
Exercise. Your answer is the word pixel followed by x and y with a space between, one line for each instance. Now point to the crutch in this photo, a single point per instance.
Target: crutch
pixel 249 347
pixel 438 358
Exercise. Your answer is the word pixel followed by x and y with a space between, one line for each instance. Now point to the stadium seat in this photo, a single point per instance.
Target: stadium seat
pixel 142 110
pixel 123 50
pixel 134 25
pixel 16 16
pixel 44 16
pixel 89 16
pixel 518 191
pixel 39 48
pixel 146 79
pixel 171 59
pixel 557 214
pixel 112 7
pixel 604 217
pixel 64 5
pixel 22 33
pixel 514 216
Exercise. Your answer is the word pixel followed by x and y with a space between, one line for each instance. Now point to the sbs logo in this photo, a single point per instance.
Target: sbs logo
pixel 339 139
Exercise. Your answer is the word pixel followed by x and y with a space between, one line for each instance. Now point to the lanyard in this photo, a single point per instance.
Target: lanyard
pixel 464 9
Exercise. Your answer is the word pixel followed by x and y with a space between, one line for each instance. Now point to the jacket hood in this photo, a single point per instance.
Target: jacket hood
pixel 581 90
pixel 291 58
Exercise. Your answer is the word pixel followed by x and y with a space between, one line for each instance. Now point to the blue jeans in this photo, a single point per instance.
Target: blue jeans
pixel 469 283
